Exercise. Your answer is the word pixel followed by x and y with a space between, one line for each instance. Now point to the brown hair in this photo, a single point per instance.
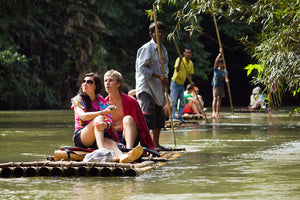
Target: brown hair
pixel 86 98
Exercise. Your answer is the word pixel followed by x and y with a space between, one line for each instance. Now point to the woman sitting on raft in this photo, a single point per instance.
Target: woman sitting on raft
pixel 93 122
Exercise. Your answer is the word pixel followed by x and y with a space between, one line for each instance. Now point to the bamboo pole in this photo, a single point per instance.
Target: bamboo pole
pixel 93 171
pixel 190 80
pixel 82 171
pixel 56 171
pixel 131 172
pixel 19 172
pixel 118 171
pixel 44 171
pixel 144 164
pixel 31 171
pixel 163 73
pixel 220 45
pixel 70 171
pixel 106 171
pixel 6 172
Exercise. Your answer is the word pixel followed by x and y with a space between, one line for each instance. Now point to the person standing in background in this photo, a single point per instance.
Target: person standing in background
pixel 218 84
pixel 184 68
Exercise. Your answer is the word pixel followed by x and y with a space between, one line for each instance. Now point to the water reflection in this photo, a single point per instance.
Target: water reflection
pixel 248 156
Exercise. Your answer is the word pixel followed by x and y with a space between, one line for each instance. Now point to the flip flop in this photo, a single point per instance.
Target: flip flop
pixel 162 148
pixel 151 151
pixel 146 150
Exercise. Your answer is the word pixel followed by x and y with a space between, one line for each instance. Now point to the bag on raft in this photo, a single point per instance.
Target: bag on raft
pixel 100 155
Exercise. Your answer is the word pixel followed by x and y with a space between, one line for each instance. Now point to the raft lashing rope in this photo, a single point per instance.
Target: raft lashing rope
pixel 81 169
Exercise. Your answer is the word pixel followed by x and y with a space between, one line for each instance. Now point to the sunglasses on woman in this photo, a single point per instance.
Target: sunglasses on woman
pixel 88 81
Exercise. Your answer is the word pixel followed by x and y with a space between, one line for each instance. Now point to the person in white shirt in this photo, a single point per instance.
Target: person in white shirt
pixel 150 81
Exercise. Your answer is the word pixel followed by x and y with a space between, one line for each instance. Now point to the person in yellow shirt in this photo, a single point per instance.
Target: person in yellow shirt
pixel 184 68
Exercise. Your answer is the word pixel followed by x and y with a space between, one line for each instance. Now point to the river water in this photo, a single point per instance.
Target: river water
pixel 244 156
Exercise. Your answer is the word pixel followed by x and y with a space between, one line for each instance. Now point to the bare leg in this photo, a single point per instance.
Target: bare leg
pixel 194 107
pixel 214 106
pixel 89 133
pixel 95 131
pixel 99 136
pixel 156 133
pixel 200 109
pixel 201 100
pixel 129 131
pixel 112 145
pixel 219 100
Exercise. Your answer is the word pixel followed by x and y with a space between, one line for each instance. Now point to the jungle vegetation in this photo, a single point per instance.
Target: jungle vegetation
pixel 46 46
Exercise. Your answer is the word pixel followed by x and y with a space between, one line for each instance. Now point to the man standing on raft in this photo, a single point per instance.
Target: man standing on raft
pixel 150 81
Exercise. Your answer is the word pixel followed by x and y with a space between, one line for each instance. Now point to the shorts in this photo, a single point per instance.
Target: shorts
pixel 154 114
pixel 218 92
pixel 78 143
pixel 188 109
pixel 122 140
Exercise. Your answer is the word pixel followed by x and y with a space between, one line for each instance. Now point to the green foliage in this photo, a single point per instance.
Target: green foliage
pixel 58 38
pixel 276 48
pixel 14 79
pixel 194 21
pixel 295 92
pixel 62 40
pixel 258 68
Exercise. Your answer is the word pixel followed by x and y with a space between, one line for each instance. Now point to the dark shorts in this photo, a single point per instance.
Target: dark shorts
pixel 122 140
pixel 154 114
pixel 218 92
pixel 78 143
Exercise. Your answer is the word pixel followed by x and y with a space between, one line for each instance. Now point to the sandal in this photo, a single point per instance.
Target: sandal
pixel 162 148
pixel 148 151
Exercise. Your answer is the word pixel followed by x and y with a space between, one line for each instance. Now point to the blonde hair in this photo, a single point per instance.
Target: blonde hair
pixel 117 75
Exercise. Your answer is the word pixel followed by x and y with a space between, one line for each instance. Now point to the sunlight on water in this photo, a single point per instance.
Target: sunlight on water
pixel 246 156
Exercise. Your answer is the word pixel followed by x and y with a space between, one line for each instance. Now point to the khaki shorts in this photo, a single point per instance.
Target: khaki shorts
pixel 218 92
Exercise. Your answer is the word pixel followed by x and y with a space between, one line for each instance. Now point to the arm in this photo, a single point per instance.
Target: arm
pixel 163 78
pixel 217 58
pixel 193 100
pixel 142 62
pixel 132 92
pixel 226 77
pixel 85 116
pixel 177 64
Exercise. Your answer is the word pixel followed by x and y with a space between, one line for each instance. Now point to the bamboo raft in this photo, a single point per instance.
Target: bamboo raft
pixel 192 116
pixel 244 110
pixel 63 168
pixel 190 120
